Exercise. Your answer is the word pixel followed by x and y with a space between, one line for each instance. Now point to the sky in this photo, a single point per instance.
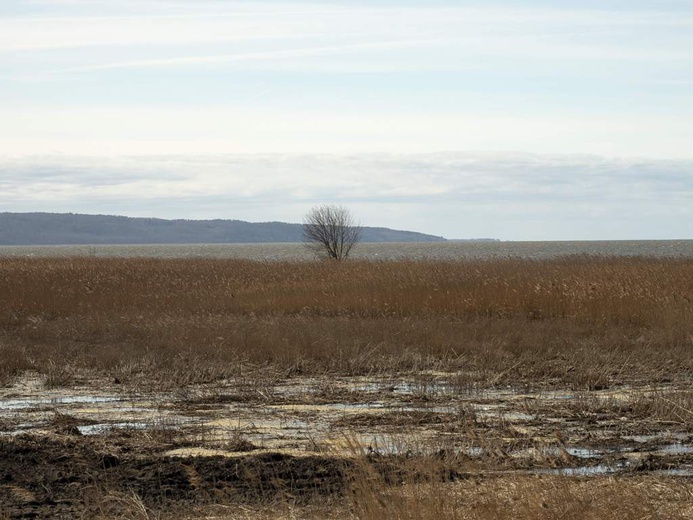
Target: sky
pixel 533 120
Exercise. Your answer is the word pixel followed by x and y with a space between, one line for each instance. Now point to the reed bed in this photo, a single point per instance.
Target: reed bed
pixel 579 322
pixel 506 497
pixel 582 321
pixel 519 498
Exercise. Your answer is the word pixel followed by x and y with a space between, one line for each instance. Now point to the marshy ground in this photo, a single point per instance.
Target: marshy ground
pixel 142 388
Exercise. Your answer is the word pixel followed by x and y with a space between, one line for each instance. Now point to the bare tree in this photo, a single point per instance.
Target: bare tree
pixel 331 231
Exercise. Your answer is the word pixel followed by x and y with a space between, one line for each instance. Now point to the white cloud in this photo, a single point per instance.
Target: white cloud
pixel 504 195
pixel 280 54
pixel 157 130
pixel 238 22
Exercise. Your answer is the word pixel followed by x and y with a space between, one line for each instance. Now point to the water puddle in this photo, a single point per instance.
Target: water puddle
pixel 581 471
pixel 91 414
pixel 675 449
pixel 27 403
pixel 474 451
pixel 585 453
pixel 677 472
pixel 606 469
pixel 680 438
pixel 104 428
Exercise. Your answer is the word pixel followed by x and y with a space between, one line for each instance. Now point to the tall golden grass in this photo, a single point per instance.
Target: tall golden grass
pixel 493 498
pixel 582 321
pixel 525 498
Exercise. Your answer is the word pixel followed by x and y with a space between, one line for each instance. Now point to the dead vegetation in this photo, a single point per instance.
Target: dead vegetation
pixel 228 337
pixel 537 498
pixel 525 498
pixel 578 321
pixel 124 477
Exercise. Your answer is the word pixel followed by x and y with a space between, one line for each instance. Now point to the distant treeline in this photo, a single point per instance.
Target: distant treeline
pixel 70 228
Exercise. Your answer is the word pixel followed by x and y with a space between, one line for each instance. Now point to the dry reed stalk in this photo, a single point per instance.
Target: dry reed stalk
pixel 580 321
pixel 527 498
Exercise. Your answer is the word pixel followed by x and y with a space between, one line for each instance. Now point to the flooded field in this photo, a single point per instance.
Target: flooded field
pixel 374 251
pixel 567 432
pixel 316 429
pixel 142 388
pixel 492 429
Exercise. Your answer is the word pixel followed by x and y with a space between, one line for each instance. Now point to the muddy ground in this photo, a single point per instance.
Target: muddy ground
pixel 96 447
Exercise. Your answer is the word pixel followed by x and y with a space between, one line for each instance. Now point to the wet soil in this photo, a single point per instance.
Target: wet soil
pixel 43 477
pixel 90 450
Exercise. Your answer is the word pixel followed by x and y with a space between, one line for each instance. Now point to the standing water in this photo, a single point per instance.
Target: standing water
pixel 374 251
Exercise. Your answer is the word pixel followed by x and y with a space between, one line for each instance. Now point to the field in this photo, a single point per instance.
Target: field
pixel 226 388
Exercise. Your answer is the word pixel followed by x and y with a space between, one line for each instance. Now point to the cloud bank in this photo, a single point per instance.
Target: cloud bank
pixel 513 196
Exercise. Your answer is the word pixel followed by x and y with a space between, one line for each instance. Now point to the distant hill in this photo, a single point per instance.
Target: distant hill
pixel 69 228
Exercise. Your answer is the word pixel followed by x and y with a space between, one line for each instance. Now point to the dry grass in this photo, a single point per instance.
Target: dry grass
pixel 502 498
pixel 535 498
pixel 430 488
pixel 578 321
